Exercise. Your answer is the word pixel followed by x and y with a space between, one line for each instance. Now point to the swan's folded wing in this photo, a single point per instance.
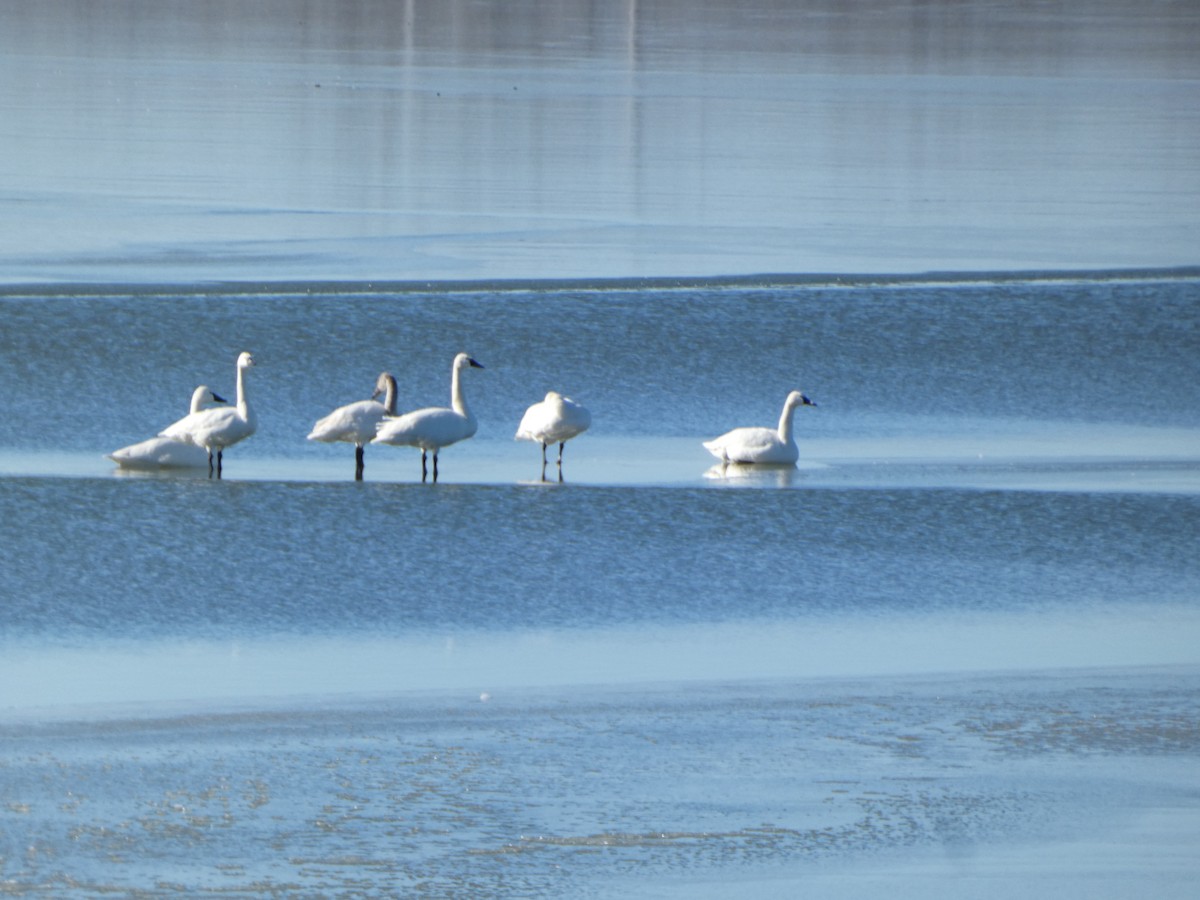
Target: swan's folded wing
pixel 353 422
pixel 533 423
pixel 182 429
pixel 160 453
pixel 746 445
pixel 428 428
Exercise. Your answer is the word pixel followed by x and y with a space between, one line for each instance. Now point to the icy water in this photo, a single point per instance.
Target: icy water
pixel 356 140
pixel 953 650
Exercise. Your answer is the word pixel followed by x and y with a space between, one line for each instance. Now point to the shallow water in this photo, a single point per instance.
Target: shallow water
pixel 1016 449
pixel 961 630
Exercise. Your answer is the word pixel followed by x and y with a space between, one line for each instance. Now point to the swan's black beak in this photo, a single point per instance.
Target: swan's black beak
pixel 475 365
pixel 217 398
pixel 807 402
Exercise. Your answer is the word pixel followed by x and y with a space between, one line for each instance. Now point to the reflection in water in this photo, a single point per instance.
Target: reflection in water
pixel 758 475
pixel 176 141
pixel 166 473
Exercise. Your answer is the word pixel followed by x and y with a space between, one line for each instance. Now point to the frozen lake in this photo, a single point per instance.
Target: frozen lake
pixel 153 141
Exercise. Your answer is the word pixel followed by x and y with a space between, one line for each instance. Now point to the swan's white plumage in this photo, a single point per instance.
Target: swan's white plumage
pixel 555 420
pixel 762 445
pixel 167 452
pixel 434 427
pixel 355 423
pixel 217 429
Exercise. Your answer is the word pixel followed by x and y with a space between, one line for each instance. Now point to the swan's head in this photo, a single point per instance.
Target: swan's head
pixel 204 396
pixel 795 398
pixel 553 397
pixel 245 360
pixel 385 381
pixel 464 361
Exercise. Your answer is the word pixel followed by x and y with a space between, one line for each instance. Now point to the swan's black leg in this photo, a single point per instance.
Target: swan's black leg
pixel 220 455
pixel 435 467
pixel 358 462
pixel 424 470
pixel 560 450
pixel 210 464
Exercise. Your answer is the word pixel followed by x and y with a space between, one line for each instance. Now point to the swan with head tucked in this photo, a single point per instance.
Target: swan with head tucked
pixel 355 423
pixel 774 446
pixel 434 427
pixel 555 420
pixel 217 429
pixel 166 452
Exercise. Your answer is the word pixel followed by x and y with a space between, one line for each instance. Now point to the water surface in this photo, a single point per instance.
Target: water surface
pixel 174 142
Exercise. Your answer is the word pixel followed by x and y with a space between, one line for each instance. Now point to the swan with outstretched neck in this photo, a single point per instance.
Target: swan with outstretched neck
pixel 355 423
pixel 165 452
pixel 758 445
pixel 220 428
pixel 434 427
pixel 555 420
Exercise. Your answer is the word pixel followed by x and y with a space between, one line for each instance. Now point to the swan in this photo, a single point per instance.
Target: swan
pixel 165 452
pixel 216 429
pixel 555 420
pixel 355 423
pixel 762 445
pixel 434 427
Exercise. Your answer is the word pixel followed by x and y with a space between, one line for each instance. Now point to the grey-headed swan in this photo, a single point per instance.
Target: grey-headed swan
pixel 355 423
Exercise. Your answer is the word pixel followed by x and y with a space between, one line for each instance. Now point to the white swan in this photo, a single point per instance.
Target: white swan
pixel 355 423
pixel 166 452
pixel 762 445
pixel 434 427
pixel 216 429
pixel 555 420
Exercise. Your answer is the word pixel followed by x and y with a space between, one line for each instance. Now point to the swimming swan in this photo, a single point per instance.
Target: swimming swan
pixel 216 429
pixel 165 452
pixel 355 423
pixel 762 445
pixel 555 420
pixel 434 427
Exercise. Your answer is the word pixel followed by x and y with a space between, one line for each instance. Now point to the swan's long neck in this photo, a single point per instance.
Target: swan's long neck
pixel 457 400
pixel 785 422
pixel 389 397
pixel 242 405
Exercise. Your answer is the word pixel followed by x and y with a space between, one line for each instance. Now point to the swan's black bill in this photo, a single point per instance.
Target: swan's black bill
pixel 474 364
pixel 807 402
